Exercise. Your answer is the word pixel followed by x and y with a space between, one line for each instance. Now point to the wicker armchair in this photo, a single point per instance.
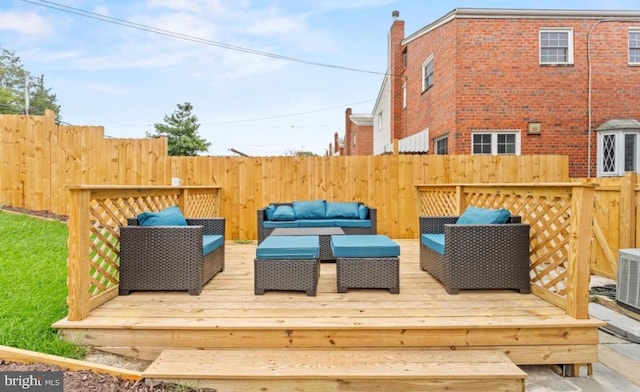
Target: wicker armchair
pixel 169 257
pixel 478 256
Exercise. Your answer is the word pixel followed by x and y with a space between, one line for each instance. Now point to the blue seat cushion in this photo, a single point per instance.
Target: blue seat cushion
pixel 364 246
pixel 315 209
pixel 316 222
pixel 283 213
pixel 269 210
pixel 289 247
pixel 352 222
pixel 434 242
pixel 211 243
pixel 348 210
pixel 171 216
pixel 276 224
pixel 475 215
pixel 363 211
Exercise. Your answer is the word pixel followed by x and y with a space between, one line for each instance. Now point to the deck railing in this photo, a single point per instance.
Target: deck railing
pixel 95 216
pixel 561 223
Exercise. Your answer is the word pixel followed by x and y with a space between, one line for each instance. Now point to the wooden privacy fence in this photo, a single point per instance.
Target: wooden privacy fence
pixel 616 216
pixel 560 218
pixel 96 214
pixel 39 160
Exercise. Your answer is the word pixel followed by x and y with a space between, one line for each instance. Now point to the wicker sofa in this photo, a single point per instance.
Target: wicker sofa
pixel 171 257
pixel 362 224
pixel 476 256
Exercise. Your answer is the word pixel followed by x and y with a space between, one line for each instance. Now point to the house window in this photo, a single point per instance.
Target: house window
pixel 618 153
pixel 379 121
pixel 404 58
pixel 441 145
pixel 354 139
pixel 496 143
pixel 556 46
pixel 634 47
pixel 427 74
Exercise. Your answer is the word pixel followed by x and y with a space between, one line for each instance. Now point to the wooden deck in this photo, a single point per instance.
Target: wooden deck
pixel 228 315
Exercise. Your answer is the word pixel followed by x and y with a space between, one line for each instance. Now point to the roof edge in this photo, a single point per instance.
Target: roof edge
pixel 502 13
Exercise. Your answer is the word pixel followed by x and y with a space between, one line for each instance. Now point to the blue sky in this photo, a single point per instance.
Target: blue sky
pixel 127 79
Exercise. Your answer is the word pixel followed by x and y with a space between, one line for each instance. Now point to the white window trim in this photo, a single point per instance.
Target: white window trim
pixel 494 139
pixel 632 30
pixel 618 164
pixel 424 66
pixel 380 121
pixel 569 32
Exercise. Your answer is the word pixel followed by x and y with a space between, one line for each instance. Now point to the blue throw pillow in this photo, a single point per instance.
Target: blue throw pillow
pixel 171 216
pixel 342 210
pixel 315 209
pixel 283 213
pixel 363 211
pixel 475 215
pixel 269 211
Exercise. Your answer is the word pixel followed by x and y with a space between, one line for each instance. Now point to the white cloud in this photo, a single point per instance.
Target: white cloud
pixel 277 25
pixel 28 23
pixel 102 10
pixel 194 6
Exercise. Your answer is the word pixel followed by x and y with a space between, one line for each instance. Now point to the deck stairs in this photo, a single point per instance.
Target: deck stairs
pixel 326 370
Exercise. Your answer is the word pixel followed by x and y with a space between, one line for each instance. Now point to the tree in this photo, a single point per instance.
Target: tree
pixel 41 98
pixel 181 131
pixel 300 153
pixel 13 84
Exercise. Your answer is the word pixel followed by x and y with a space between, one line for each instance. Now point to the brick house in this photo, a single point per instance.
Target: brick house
pixel 502 81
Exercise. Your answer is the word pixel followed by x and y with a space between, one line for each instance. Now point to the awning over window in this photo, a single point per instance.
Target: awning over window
pixel 418 142
pixel 619 125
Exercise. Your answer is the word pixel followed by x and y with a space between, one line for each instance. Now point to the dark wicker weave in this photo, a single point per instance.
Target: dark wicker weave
pixel 491 256
pixel 286 275
pixel 169 257
pixel 368 272
pixel 265 232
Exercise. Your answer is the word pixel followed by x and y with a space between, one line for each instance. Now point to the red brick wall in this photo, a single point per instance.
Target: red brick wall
pixel 396 69
pixel 487 76
pixel 364 139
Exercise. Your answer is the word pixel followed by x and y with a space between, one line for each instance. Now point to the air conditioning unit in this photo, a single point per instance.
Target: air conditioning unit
pixel 628 285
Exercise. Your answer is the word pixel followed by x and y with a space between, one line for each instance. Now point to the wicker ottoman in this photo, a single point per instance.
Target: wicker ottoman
pixel 366 261
pixel 287 263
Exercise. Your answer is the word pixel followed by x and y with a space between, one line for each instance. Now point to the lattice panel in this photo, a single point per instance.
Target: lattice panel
pixel 202 204
pixel 107 215
pixel 437 202
pixel 549 220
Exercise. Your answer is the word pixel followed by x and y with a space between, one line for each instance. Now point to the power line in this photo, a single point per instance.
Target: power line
pixel 185 37
pixel 290 114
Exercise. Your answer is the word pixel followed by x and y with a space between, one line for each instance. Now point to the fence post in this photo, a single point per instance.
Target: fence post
pixel 79 246
pixel 582 199
pixel 627 228
pixel 461 202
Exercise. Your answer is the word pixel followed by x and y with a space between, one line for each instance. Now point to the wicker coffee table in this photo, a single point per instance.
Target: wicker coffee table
pixel 324 233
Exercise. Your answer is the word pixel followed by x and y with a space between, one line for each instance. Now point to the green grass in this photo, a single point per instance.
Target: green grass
pixel 33 291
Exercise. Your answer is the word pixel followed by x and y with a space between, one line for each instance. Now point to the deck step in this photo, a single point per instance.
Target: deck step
pixel 337 369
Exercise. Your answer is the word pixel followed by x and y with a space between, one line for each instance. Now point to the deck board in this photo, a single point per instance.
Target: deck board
pixel 228 314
